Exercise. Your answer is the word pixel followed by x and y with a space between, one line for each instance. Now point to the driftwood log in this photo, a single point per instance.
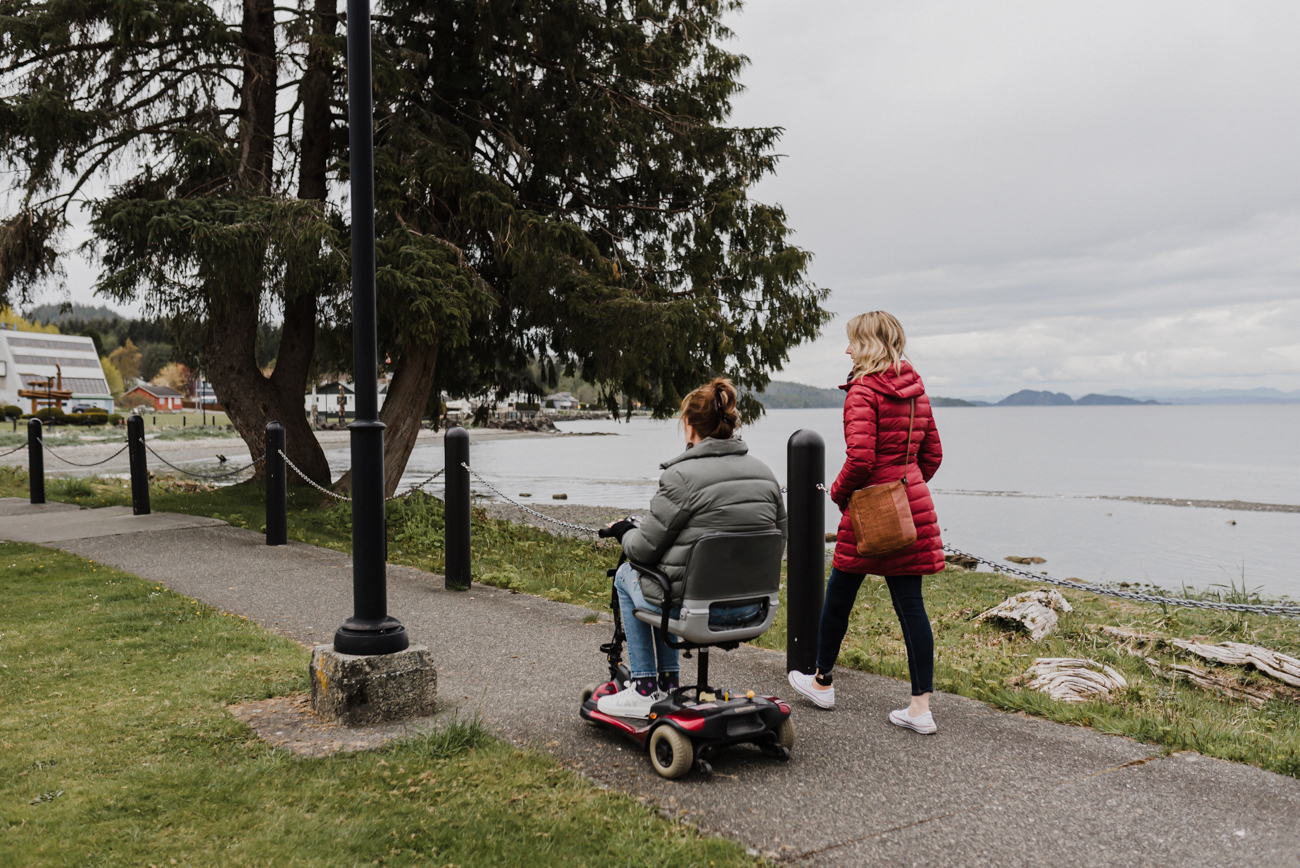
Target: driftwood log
pixel 1074 679
pixel 1131 642
pixel 1280 666
pixel 1031 611
pixel 1223 683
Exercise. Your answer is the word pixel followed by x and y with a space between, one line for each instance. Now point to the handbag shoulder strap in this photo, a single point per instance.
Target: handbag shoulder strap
pixel 907 451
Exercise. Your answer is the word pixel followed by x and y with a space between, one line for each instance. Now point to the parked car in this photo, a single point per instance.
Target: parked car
pixel 88 408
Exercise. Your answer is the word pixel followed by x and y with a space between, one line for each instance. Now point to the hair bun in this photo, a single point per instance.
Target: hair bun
pixel 710 409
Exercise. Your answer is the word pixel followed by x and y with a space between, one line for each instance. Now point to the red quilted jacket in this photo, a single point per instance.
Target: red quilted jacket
pixel 875 433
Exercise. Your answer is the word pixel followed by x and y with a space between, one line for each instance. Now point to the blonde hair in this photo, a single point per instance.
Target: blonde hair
pixel 711 410
pixel 877 342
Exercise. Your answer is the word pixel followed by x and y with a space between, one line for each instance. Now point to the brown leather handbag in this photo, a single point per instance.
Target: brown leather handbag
pixel 881 514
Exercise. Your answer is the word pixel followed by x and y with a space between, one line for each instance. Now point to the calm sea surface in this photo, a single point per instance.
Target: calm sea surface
pixel 1014 481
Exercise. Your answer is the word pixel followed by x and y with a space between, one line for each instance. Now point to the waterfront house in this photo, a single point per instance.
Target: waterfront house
pixel 163 398
pixel 560 401
pixel 325 397
pixel 62 370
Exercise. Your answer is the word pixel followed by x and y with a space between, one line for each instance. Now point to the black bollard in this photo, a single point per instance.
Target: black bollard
pixel 35 462
pixel 805 547
pixel 139 465
pixel 277 497
pixel 456 525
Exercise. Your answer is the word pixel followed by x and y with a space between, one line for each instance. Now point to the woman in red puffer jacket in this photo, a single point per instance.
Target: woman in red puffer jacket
pixel 884 393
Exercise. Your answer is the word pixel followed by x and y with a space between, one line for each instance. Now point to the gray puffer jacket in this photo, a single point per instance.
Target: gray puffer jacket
pixel 715 486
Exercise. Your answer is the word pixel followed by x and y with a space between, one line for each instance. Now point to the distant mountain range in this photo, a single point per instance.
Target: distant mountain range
pixel 784 395
pixel 1216 396
pixel 1031 398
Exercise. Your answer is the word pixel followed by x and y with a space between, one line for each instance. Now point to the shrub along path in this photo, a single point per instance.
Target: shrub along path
pixel 990 789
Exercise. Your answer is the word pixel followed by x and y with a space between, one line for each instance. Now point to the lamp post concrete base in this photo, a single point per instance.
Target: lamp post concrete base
pixel 362 691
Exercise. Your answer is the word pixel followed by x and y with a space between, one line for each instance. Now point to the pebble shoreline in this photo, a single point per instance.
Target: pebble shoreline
pixel 575 513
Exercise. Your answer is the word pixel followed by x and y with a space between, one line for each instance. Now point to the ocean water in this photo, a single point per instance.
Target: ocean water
pixel 1023 481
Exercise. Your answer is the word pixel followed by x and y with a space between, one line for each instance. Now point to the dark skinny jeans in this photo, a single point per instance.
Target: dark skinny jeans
pixel 905 591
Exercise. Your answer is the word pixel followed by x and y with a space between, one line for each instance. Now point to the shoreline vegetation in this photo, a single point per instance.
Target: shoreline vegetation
pixel 981 660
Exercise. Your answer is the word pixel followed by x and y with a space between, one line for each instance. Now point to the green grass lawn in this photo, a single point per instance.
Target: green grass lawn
pixel 981 661
pixel 116 749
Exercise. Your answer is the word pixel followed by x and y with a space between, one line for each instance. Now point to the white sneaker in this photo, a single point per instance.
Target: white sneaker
pixel 804 684
pixel 628 703
pixel 923 724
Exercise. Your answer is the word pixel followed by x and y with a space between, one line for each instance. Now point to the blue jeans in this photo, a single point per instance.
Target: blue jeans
pixel 905 591
pixel 642 639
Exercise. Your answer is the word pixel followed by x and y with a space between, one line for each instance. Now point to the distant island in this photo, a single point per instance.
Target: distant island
pixel 784 395
pixel 1030 398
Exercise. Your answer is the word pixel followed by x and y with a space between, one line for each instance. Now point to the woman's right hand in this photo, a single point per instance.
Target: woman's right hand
pixel 617 529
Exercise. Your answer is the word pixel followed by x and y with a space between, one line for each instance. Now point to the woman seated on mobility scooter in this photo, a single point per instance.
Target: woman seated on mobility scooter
pixel 713 486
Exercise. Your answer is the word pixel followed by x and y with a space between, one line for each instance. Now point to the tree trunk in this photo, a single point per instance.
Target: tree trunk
pixel 408 395
pixel 302 280
pixel 251 399
pixel 257 97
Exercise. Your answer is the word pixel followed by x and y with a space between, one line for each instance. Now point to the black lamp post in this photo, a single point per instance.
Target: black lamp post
pixel 370 630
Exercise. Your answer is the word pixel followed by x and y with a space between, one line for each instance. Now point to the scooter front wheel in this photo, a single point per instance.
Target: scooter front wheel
pixel 588 690
pixel 671 753
pixel 785 734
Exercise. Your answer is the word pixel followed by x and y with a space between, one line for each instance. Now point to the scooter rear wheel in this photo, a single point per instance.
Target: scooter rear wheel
pixel 671 753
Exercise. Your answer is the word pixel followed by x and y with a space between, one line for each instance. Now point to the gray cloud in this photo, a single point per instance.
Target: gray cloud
pixel 1077 196
pixel 1068 195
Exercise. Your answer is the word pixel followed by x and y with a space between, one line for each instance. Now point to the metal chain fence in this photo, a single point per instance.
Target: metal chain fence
pixel 343 498
pixel 1138 596
pixel 417 486
pixel 225 475
pixel 531 512
pixel 78 463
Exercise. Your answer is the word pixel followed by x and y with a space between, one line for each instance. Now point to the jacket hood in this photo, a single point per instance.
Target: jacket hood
pixel 710 448
pixel 904 383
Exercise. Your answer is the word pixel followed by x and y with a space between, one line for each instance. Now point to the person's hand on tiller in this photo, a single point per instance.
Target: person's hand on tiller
pixel 616 529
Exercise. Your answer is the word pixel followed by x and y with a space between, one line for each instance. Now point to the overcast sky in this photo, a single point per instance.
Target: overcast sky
pixel 1075 196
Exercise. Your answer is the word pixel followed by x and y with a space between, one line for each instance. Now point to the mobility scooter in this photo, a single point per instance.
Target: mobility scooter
pixel 724 571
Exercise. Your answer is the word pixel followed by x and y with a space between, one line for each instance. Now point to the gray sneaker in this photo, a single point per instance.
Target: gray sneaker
pixel 923 724
pixel 805 685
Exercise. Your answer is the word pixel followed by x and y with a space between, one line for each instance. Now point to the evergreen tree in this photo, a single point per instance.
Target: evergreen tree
pixel 555 180
pixel 170 108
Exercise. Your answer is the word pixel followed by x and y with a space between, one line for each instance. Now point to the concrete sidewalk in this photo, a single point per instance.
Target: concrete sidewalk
pixel 990 788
